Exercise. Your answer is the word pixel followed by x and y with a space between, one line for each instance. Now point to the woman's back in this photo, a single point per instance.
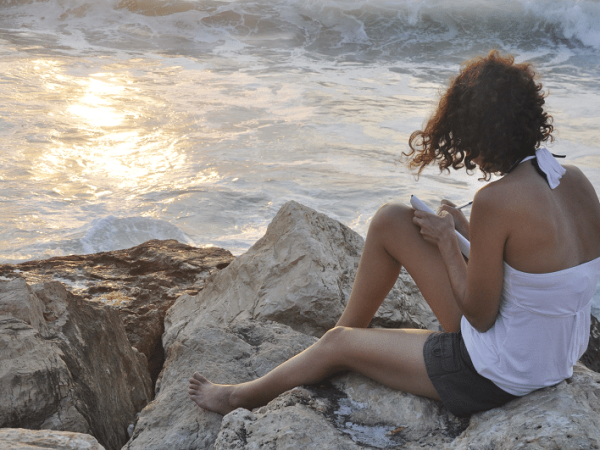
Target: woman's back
pixel 548 229
pixel 542 326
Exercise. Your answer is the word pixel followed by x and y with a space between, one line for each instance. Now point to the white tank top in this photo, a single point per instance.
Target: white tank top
pixel 542 328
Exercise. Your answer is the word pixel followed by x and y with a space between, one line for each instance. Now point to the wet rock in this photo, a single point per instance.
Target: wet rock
pixel 21 439
pixel 300 273
pixel 366 409
pixel 329 416
pixel 141 283
pixel 76 373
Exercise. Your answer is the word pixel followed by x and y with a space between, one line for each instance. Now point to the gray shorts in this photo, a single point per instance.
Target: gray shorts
pixel 462 390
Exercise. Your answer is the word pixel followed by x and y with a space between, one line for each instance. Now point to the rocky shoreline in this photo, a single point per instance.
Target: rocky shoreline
pixel 97 349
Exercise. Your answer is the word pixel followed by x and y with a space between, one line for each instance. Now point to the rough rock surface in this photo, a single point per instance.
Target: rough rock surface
pixel 76 372
pixel 565 416
pixel 141 283
pixel 18 300
pixel 233 354
pixel 21 439
pixel 330 417
pixel 291 422
pixel 300 273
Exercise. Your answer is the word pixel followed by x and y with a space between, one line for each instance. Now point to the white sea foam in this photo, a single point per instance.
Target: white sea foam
pixel 113 233
pixel 334 27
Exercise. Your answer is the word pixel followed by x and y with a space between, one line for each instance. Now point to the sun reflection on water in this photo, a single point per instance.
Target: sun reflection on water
pixel 97 106
pixel 106 133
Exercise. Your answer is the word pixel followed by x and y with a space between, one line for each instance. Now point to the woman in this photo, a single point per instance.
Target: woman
pixel 516 317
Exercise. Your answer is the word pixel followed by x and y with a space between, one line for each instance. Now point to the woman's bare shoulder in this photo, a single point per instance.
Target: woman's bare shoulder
pixel 575 176
pixel 510 191
pixel 497 194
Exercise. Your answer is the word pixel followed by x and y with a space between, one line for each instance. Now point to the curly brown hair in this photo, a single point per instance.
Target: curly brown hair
pixel 493 109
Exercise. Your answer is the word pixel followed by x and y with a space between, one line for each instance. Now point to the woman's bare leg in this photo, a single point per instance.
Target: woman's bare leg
pixel 394 241
pixel 391 357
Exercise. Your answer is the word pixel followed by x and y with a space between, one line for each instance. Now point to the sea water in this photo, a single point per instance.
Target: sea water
pixel 128 120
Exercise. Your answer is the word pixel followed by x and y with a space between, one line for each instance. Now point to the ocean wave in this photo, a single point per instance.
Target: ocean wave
pixel 101 235
pixel 115 233
pixel 382 27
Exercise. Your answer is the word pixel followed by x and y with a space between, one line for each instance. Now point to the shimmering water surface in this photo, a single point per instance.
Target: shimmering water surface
pixel 123 121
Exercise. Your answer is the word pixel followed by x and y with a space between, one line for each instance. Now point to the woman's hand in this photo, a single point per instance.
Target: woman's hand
pixel 461 224
pixel 435 229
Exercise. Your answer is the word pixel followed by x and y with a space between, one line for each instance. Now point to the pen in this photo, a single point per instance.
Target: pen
pixel 465 205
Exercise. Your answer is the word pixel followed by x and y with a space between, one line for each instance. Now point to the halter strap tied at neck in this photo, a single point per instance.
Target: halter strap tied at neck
pixel 546 163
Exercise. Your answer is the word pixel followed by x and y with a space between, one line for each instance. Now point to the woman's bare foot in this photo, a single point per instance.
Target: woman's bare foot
pixel 211 396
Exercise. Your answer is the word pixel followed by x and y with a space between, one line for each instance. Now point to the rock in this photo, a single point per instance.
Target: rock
pixel 77 373
pixel 300 273
pixel 21 439
pixel 141 283
pixel 565 416
pixel 591 358
pixel 18 300
pixel 36 388
pixel 366 408
pixel 289 423
pixel 330 417
pixel 234 354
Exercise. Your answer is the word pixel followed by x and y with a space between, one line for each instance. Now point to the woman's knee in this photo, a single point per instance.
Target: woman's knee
pixel 393 222
pixel 334 341
pixel 392 215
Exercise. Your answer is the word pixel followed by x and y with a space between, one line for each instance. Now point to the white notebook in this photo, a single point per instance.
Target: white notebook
pixel 463 243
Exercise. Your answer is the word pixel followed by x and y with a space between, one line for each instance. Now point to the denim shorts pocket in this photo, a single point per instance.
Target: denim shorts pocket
pixel 451 360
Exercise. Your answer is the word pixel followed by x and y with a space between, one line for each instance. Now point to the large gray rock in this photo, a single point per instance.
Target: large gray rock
pixel 36 387
pixel 75 372
pixel 21 439
pixel 300 273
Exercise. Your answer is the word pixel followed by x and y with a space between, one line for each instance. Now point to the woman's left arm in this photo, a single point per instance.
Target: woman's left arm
pixel 478 286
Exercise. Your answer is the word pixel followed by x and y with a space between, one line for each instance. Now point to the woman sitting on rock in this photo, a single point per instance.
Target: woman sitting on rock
pixel 517 317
